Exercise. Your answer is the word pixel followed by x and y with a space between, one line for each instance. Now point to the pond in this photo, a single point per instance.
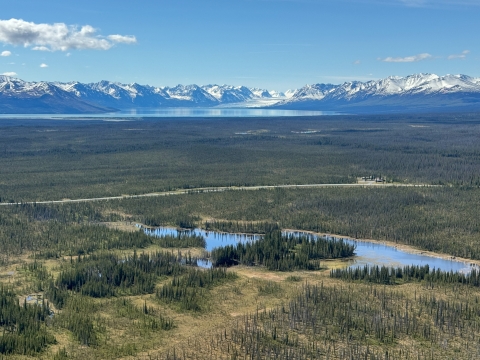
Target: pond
pixel 367 253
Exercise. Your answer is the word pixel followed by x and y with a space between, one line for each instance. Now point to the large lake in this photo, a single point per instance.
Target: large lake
pixel 367 253
pixel 176 112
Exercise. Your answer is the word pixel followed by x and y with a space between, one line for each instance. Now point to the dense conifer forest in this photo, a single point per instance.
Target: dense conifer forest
pixel 282 252
pixel 82 280
pixel 82 159
pixel 24 328
pixel 395 276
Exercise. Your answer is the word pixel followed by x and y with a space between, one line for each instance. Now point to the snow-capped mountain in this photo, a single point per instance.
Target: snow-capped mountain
pixel 415 92
pixel 108 96
pixel 18 96
pixel 126 96
pixel 226 94
pixel 290 92
pixel 419 92
pixel 261 93
pixel 192 94
pixel 277 94
pixel 117 95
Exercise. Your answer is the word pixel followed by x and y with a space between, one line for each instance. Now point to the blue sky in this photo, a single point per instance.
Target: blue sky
pixel 273 44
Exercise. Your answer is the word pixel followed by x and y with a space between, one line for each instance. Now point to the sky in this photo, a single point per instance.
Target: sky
pixel 270 44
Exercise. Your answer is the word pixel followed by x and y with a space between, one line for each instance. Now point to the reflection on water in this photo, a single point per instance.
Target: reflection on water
pixel 367 253
pixel 175 112
pixel 213 239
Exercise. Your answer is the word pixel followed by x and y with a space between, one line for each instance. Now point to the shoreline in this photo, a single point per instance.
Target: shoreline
pixel 402 247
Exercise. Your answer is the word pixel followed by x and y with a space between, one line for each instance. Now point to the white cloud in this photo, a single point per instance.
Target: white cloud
pixel 41 48
pixel 6 53
pixel 57 36
pixel 413 58
pixel 43 65
pixel 462 55
pixel 123 39
pixel 9 73
pixel 357 62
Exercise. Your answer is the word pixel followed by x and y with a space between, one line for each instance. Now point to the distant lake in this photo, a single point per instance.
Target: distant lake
pixel 176 112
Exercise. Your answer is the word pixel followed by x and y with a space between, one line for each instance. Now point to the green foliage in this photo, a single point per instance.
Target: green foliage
pixel 146 318
pixel 392 276
pixel 106 274
pixel 38 270
pixel 439 219
pixel 282 253
pixel 58 296
pixel 269 288
pixel 82 159
pixel 354 322
pixel 434 149
pixel 181 241
pixel 241 227
pixel 90 159
pixel 24 330
pixel 20 231
pixel 189 291
pixel 181 220
pixel 293 278
pixel 61 354
pixel 78 316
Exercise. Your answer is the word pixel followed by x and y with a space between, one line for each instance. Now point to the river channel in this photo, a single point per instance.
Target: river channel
pixel 366 253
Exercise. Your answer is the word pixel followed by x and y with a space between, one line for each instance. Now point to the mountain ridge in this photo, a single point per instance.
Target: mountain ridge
pixel 417 92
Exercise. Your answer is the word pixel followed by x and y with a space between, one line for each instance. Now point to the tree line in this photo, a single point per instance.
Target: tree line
pixel 411 273
pixel 107 274
pixel 24 326
pixel 189 291
pixel 281 252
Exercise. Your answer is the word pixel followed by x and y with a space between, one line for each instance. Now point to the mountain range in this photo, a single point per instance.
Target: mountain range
pixel 18 96
pixel 419 92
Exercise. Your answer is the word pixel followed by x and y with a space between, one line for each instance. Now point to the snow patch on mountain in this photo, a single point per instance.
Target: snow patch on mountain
pixel 414 91
pixel 417 84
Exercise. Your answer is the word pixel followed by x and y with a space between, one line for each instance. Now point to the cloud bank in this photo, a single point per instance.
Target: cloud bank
pixel 122 39
pixel 9 73
pixel 462 55
pixel 407 59
pixel 57 37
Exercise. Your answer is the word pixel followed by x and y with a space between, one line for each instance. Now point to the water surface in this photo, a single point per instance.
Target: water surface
pixel 174 112
pixel 366 253
pixel 212 238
